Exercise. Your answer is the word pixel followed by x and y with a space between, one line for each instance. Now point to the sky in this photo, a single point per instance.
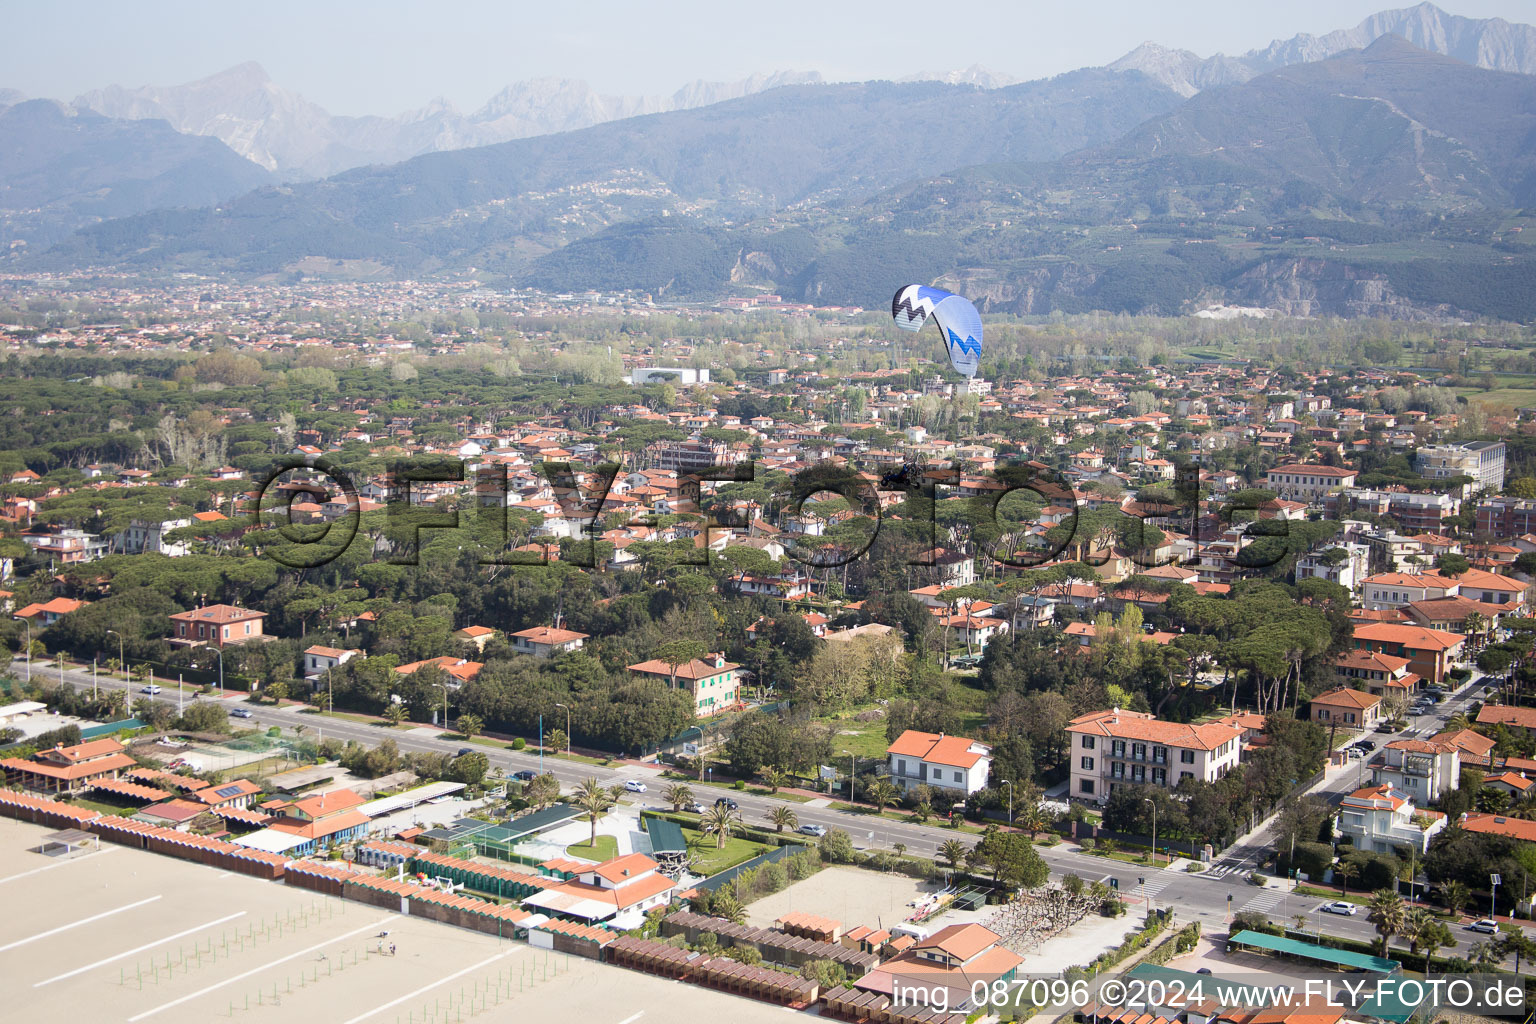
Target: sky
pixel 388 56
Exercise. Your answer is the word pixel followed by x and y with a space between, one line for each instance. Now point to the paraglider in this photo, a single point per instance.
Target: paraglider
pixel 958 322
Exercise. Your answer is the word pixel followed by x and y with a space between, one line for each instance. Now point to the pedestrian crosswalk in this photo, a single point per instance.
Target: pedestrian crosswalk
pixel 1152 886
pixel 1264 901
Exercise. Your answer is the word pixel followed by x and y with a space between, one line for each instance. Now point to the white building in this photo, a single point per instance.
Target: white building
pixel 319 660
pixel 1381 819
pixel 149 538
pixel 545 641
pixel 619 891
pixel 951 763
pixel 1483 461
pixel 1423 769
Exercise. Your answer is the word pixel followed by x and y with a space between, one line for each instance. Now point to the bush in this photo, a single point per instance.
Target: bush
pixel 1312 860
pixel 739 784
pixel 1086 844
pixel 518 743
pixel 837 847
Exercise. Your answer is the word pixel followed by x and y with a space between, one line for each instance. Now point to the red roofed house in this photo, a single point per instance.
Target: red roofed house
pixel 458 668
pixel 49 611
pixel 1380 819
pixel 544 641
pixel 1117 747
pixel 331 817
pixel 712 680
pixel 942 970
pixel 1353 709
pixel 1474 747
pixel 619 891
pixel 1516 784
pixel 218 625
pixel 68 769
pixel 1499 825
pixel 477 635
pixel 951 763
pixel 1380 674
pixel 1511 717
pixel 1429 651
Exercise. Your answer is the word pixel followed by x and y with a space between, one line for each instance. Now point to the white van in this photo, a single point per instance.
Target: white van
pixel 917 931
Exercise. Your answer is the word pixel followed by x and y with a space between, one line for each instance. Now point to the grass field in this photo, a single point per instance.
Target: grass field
pixel 607 848
pixel 1500 398
pixel 712 861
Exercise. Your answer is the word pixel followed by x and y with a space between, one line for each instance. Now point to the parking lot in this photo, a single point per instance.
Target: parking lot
pixel 126 935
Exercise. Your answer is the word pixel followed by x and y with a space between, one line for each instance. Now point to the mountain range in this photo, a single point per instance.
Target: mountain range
pixel 1491 43
pixel 1388 180
pixel 297 139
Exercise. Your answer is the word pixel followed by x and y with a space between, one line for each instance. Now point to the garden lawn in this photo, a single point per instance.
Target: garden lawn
pixel 606 848
pixel 710 861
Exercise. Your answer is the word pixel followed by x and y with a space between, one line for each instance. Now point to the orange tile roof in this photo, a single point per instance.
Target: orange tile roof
pixel 82 770
pixel 1412 637
pixel 621 869
pixel 1468 741
pixel 1500 825
pixel 936 748
pixel 695 669
pixel 1118 723
pixel 550 635
pixel 220 613
pixel 961 941
pixel 1344 697
pixel 1503 714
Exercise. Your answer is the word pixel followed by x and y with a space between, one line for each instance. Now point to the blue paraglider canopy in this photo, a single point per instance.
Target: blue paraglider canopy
pixel 957 319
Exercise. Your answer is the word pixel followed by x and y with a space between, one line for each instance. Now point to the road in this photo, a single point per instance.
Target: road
pixel 1207 896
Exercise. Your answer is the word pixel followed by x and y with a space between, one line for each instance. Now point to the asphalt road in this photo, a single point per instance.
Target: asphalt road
pixel 1208 896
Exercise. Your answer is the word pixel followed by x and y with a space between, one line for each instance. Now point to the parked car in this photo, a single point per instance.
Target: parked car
pixel 1339 907
pixel 151 689
pixel 695 807
pixel 634 785
pixel 726 801
pixel 464 750
pixel 814 830
pixel 1486 925
pixel 526 775
pixel 240 713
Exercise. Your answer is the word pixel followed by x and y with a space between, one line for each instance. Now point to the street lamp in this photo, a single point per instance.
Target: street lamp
pixel 568 725
pixel 1493 899
pixel 1149 800
pixel 121 661
pixel 28 624
pixel 1009 784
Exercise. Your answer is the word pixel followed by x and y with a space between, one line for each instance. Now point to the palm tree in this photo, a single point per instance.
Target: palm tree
pixel 781 816
pixel 900 848
pixel 722 820
pixel 592 798
pixel 1456 895
pixel 773 778
pixel 1426 932
pixel 1388 913
pixel 469 725
pixel 880 793
pixel 395 713
pixel 1344 872
pixel 952 850
pixel 1486 954
pixel 678 795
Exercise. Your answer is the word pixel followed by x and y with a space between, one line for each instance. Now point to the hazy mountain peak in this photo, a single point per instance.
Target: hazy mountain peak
pixel 976 75
pixel 1491 43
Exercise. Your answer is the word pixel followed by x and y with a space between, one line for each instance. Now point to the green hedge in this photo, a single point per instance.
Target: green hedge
pixel 1157 920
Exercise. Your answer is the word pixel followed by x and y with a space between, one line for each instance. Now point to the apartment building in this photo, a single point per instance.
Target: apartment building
pixel 1395 589
pixel 1118 747
pixel 1429 651
pixel 1506 517
pixel 1423 769
pixel 951 763
pixel 1483 461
